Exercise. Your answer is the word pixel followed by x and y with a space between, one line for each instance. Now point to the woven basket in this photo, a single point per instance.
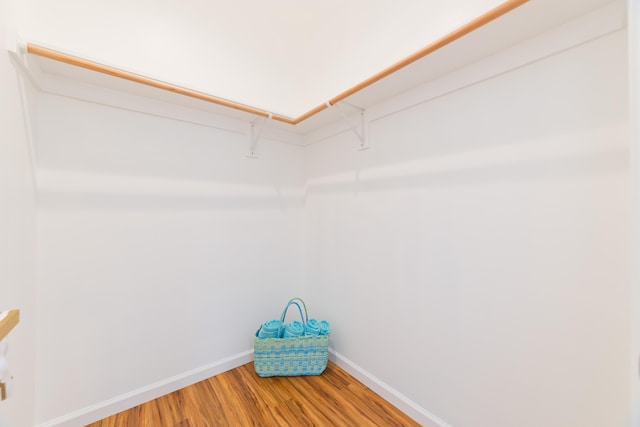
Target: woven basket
pixel 305 355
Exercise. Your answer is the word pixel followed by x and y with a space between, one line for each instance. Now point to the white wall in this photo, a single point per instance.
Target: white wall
pixel 160 246
pixel 476 258
pixel 633 11
pixel 17 234
pixel 483 240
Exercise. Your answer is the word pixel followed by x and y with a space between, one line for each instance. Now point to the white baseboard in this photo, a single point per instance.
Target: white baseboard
pixel 391 395
pixel 133 398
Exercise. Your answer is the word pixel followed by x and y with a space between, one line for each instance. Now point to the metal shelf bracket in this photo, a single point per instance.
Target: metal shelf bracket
pixel 254 135
pixel 359 127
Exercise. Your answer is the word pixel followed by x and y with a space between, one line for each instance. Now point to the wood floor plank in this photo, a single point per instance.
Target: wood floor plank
pixel 318 408
pixel 241 398
pixel 335 405
pixel 377 409
pixel 207 406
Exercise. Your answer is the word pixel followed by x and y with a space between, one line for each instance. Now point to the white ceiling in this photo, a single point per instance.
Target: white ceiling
pixel 286 56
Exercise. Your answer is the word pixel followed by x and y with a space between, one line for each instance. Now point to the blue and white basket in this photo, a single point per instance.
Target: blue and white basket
pixel 304 355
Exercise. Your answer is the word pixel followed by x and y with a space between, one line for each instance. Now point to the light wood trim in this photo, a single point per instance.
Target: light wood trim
pixel 449 38
pixel 309 113
pixel 105 69
pixel 480 21
pixel 9 322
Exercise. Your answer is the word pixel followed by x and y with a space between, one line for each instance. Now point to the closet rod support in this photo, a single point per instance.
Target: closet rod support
pixel 359 128
pixel 255 131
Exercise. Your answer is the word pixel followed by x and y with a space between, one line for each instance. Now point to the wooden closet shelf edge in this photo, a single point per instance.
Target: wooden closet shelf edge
pixel 469 27
pixel 9 322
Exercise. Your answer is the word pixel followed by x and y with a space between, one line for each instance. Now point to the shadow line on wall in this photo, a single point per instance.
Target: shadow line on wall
pixel 562 168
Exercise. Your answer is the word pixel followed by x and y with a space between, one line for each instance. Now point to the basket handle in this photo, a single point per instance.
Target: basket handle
pixel 304 318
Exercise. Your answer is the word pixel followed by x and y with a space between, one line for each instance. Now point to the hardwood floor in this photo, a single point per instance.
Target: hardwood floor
pixel 241 398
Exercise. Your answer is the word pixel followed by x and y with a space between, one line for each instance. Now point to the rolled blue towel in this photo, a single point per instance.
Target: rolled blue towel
pixel 293 329
pixel 269 329
pixel 312 327
pixel 325 328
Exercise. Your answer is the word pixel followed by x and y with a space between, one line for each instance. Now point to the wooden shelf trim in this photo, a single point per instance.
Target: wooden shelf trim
pixel 469 27
pixel 9 322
